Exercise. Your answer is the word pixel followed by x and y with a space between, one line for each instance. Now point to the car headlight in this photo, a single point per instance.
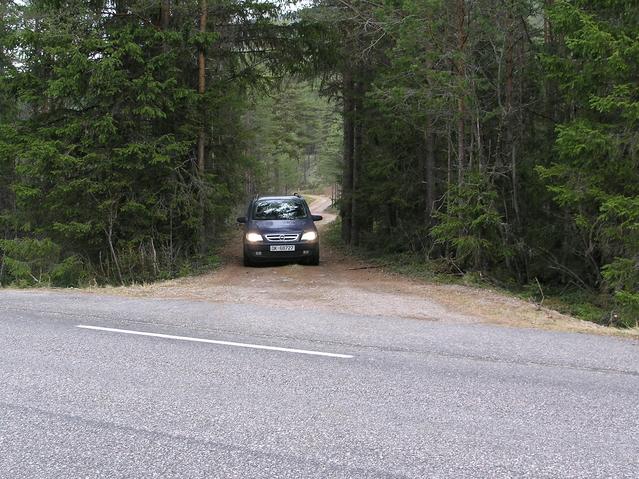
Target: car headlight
pixel 309 236
pixel 253 237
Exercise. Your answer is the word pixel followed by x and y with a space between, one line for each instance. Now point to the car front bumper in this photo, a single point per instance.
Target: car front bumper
pixel 262 251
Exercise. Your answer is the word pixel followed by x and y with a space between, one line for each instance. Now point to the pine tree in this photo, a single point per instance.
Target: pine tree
pixel 595 177
pixel 107 154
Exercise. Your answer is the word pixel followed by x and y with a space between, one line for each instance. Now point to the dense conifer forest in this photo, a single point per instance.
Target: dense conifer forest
pixel 489 137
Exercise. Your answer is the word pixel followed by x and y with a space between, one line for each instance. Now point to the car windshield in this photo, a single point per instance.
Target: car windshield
pixel 279 210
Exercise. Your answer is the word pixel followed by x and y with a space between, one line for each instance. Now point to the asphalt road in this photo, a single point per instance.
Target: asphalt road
pixel 400 398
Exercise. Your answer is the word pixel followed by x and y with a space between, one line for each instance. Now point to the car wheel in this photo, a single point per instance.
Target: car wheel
pixel 247 261
pixel 314 260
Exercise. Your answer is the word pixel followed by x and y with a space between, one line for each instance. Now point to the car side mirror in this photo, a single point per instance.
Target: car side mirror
pixel 318 217
pixel 241 219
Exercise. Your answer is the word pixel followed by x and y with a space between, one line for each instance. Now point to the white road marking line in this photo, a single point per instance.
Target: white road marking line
pixel 214 341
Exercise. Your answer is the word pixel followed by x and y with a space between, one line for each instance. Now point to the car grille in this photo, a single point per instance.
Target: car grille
pixel 282 237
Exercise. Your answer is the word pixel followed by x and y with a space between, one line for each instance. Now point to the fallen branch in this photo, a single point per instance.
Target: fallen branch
pixel 543 297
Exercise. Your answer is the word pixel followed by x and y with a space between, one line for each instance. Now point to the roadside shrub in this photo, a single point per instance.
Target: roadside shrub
pixel 69 273
pixel 470 228
pixel 25 262
pixel 622 276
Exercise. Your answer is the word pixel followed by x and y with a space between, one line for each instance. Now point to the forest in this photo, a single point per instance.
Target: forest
pixel 497 138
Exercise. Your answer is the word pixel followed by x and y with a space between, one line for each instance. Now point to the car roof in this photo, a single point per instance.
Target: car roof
pixel 291 197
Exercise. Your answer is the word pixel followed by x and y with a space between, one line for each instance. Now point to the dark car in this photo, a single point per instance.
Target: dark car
pixel 280 228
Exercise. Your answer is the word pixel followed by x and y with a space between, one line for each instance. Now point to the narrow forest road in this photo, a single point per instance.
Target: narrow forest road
pixel 344 285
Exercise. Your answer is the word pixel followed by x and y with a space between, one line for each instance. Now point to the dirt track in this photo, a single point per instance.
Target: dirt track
pixel 344 285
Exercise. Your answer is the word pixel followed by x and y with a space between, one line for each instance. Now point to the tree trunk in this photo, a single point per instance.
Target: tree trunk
pixel 429 171
pixel 201 137
pixel 276 176
pixel 449 169
pixel 547 25
pixel 201 87
pixel 460 66
pixel 357 162
pixel 346 204
pixel 114 256
pixel 165 10
pixel 509 114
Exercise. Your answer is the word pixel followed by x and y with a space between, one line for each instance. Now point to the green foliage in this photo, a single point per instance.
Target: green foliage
pixel 595 178
pixel 581 304
pixel 98 158
pixel 99 153
pixel 471 227
pixel 518 124
pixel 296 139
pixel 69 273
pixel 27 262
pixel 622 275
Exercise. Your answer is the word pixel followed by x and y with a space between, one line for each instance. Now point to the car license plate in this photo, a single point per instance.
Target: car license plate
pixel 283 247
